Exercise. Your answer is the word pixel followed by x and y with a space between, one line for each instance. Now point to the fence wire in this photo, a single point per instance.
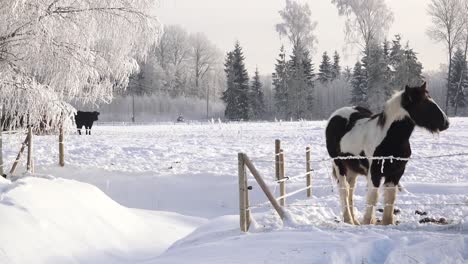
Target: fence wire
pixel 267 204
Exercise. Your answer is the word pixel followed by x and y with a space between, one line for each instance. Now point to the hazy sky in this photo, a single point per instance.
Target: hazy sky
pixel 252 22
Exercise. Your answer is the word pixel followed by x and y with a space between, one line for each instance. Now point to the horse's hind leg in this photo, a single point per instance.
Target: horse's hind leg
pixel 352 177
pixel 343 187
pixel 390 190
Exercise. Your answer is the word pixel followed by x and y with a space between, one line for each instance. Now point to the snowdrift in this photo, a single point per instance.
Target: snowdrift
pixel 52 220
pixel 220 241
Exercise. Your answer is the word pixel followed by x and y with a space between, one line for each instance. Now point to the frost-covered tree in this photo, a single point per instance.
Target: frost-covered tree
pixel 300 84
pixel 204 57
pixel 52 52
pixel 257 102
pixel 448 24
pixel 359 86
pixel 367 21
pixel 325 73
pixel 407 70
pixel 457 96
pixel 297 24
pixel 347 73
pixel 336 67
pixel 377 79
pixel 280 85
pixel 236 96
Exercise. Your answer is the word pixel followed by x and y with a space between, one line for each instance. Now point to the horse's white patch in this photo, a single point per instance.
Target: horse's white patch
pixel 367 134
pixel 390 191
pixel 344 112
pixel 443 113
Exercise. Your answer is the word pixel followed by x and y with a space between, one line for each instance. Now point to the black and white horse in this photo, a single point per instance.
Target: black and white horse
pixel 355 131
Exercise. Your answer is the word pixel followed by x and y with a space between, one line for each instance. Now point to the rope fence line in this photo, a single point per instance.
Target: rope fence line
pixel 383 158
pixel 278 203
pixel 268 205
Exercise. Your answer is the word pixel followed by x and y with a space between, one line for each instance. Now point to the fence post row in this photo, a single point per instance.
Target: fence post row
pixel 308 173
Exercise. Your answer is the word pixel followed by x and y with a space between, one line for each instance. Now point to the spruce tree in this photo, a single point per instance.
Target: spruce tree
pixel 413 67
pixel 375 72
pixel 300 83
pixel 257 104
pixel 229 96
pixel 358 86
pixel 459 81
pixel 279 78
pixel 336 67
pixel 348 74
pixel 407 70
pixel 236 96
pixel 387 71
pixel 325 69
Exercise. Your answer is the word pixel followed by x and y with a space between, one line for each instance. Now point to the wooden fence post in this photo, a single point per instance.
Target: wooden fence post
pixel 242 193
pixel 308 171
pixel 282 201
pixel 247 203
pixel 264 187
pixel 277 158
pixel 2 171
pixel 18 157
pixel 29 164
pixel 61 148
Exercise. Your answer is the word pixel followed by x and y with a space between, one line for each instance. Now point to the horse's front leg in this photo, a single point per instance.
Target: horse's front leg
pixel 390 191
pixel 371 203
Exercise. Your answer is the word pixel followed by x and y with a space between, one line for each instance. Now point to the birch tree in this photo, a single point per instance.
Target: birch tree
pixel 297 25
pixel 52 52
pixel 447 27
pixel 367 21
pixel 204 57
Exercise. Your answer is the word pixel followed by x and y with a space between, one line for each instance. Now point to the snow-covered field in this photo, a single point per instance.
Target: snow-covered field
pixel 168 193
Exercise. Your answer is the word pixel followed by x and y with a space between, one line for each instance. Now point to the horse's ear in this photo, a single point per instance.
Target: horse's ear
pixel 424 86
pixel 407 94
pixel 407 90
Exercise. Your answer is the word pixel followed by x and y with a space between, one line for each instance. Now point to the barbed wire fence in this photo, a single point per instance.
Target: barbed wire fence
pixel 278 203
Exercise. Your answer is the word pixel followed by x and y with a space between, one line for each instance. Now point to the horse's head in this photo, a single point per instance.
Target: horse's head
pixel 423 109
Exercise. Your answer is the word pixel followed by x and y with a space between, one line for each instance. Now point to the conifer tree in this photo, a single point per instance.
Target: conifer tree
pixel 375 70
pixel 257 104
pixel 325 69
pixel 300 83
pixel 407 70
pixel 279 78
pixel 236 96
pixel 336 67
pixel 348 74
pixel 358 86
pixel 459 81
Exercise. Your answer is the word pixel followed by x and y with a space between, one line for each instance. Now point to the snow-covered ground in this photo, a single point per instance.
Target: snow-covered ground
pixel 179 178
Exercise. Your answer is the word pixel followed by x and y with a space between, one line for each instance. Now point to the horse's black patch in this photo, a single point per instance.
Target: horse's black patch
pixel 424 112
pixel 396 143
pixel 381 118
pixel 337 127
pixel 334 132
pixel 360 166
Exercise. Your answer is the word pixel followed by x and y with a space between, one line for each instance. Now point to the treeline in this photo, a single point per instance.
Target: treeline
pixel 181 64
